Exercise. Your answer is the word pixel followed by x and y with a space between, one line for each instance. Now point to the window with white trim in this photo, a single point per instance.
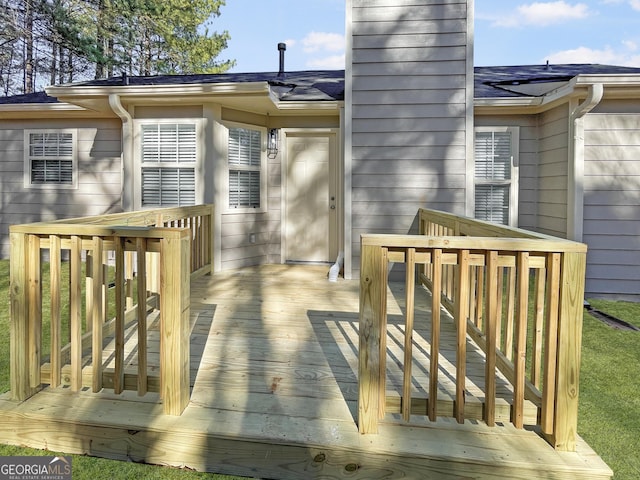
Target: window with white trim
pixel 168 164
pixel 50 159
pixel 496 174
pixel 246 162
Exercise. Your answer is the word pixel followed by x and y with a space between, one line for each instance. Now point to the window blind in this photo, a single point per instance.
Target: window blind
pixel 493 175
pixel 168 156
pixel 51 158
pixel 168 186
pixel 245 163
pixel 493 155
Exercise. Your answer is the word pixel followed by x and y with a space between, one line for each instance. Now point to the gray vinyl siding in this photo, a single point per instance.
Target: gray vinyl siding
pixel 612 204
pixel 237 251
pixel 410 80
pixel 553 148
pixel 99 175
pixel 527 159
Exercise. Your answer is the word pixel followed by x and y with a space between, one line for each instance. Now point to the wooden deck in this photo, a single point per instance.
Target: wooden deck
pixel 274 395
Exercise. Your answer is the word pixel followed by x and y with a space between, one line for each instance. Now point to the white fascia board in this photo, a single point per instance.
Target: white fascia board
pixel 507 102
pixel 40 107
pixel 326 105
pixel 612 80
pixel 159 90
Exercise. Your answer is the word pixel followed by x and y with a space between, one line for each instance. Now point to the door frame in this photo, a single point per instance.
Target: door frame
pixel 336 179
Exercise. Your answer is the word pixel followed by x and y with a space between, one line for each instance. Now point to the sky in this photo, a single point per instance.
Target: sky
pixel 507 32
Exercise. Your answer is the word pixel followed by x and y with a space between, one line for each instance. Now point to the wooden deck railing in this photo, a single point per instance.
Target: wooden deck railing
pixel 517 294
pixel 128 264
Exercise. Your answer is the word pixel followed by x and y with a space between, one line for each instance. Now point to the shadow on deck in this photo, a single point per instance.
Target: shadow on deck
pixel 274 363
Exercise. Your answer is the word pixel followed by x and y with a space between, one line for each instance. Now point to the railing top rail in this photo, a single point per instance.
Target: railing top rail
pixel 480 228
pixel 549 244
pixel 144 218
pixel 82 230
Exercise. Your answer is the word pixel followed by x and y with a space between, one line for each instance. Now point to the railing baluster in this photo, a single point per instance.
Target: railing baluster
pixel 510 315
pixel 55 263
pixel 491 337
pixel 118 374
pixel 473 298
pixel 522 286
pixel 128 276
pixel 141 247
pixel 105 286
pixel 480 298
pixel 35 310
pixel 382 401
pixel 97 313
pixel 499 303
pixel 539 296
pixel 461 313
pixel 551 342
pixel 410 261
pixel 75 293
pixel 436 293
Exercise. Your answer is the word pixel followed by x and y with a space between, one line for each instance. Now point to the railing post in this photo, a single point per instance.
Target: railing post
pixel 373 290
pixel 175 285
pixel 569 346
pixel 21 388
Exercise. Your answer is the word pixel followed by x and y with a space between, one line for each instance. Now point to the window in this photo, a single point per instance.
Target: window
pixel 245 159
pixel 168 159
pixel 496 175
pixel 50 159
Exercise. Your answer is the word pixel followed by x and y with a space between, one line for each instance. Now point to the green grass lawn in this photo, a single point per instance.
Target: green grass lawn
pixel 609 418
pixel 609 411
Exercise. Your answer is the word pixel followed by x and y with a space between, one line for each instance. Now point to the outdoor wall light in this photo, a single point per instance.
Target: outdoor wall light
pixel 272 142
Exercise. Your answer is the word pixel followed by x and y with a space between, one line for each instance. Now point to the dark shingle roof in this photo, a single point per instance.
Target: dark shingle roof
pixel 37 97
pixel 509 81
pixel 323 85
pixel 310 85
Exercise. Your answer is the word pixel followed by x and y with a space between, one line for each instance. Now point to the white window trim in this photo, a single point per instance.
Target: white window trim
pixel 228 210
pixel 515 170
pixel 74 160
pixel 139 165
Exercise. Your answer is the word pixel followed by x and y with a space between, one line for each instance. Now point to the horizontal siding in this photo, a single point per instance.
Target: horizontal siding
pixel 416 40
pixel 99 175
pixel 553 172
pixel 612 204
pixel 409 110
pixel 237 251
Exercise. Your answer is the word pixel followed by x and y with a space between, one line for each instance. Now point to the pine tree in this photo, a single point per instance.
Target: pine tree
pixel 57 41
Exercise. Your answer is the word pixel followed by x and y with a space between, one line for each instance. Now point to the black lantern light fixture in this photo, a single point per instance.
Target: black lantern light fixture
pixel 272 142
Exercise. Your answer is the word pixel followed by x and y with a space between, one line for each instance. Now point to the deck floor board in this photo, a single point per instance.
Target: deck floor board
pixel 274 394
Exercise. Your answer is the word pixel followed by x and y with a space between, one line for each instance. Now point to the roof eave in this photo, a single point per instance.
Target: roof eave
pixel 309 106
pixel 154 90
pixel 503 104
pixel 47 110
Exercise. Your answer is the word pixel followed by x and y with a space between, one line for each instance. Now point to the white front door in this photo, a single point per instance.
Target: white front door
pixel 310 198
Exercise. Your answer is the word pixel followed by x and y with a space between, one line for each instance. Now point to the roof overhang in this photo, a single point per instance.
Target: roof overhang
pixel 615 87
pixel 47 110
pixel 255 97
